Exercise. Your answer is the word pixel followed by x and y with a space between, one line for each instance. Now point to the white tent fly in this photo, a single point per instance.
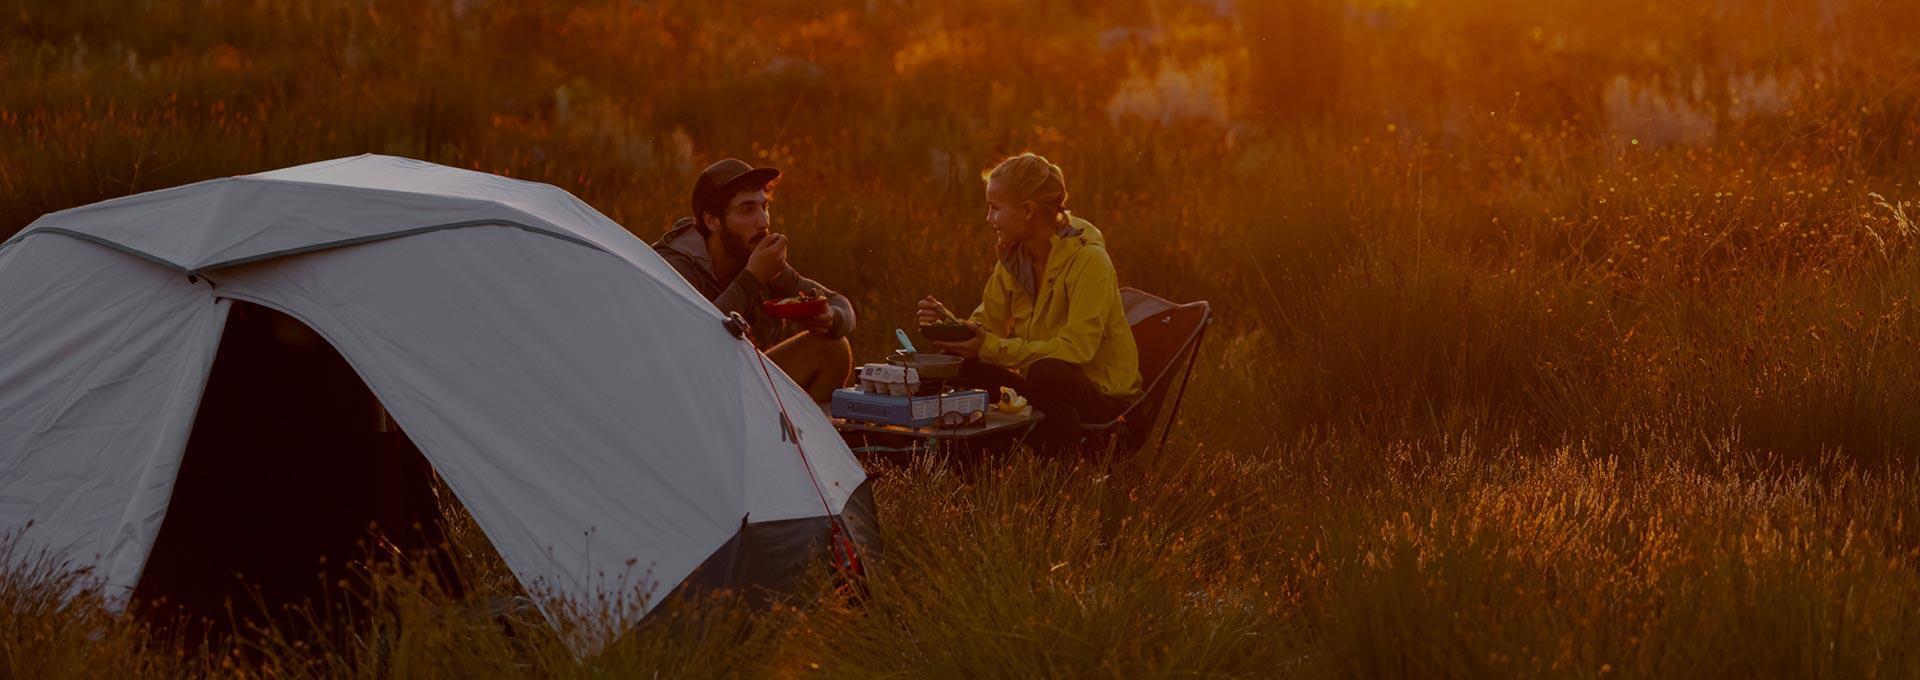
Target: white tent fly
pixel 605 429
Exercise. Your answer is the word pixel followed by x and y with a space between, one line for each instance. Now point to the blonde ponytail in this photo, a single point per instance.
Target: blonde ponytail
pixel 1031 177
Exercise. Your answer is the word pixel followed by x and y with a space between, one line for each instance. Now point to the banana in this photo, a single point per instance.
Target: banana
pixel 1011 401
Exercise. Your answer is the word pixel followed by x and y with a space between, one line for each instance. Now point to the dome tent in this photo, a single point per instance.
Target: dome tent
pixel 592 412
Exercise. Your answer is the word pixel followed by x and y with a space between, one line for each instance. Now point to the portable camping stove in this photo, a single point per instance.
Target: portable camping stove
pixel 934 403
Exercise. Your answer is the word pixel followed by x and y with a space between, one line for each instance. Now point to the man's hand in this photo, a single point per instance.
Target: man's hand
pixel 968 348
pixel 820 325
pixel 931 311
pixel 769 259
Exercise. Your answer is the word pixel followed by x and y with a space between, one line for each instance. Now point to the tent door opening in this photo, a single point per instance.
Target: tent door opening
pixel 293 471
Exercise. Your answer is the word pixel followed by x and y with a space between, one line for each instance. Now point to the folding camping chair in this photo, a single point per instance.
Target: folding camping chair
pixel 1168 336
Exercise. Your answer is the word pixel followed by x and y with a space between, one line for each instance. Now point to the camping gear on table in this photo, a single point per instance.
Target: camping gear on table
pixel 907 410
pixel 1011 402
pixel 910 390
pixel 932 367
pixel 888 379
pixel 582 401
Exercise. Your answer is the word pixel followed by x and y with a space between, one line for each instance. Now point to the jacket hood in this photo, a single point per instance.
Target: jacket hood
pixel 685 239
pixel 1089 234
pixel 1078 234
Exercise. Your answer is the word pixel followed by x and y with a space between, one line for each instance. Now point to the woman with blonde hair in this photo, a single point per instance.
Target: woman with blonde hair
pixel 1050 323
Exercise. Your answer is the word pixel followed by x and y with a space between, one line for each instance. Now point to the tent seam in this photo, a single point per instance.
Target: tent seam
pixel 415 231
pixel 96 240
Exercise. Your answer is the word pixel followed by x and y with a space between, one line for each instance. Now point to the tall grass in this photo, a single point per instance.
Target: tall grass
pixel 52 625
pixel 1567 338
pixel 1659 557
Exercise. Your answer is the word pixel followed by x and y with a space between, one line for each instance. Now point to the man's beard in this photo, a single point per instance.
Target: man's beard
pixel 739 247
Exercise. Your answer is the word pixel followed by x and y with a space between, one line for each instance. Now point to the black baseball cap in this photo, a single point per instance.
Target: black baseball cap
pixel 724 179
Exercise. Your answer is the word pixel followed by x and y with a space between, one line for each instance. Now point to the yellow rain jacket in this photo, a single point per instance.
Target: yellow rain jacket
pixel 1073 314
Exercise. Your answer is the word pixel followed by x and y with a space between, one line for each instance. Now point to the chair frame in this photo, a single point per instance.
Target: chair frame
pixel 1190 348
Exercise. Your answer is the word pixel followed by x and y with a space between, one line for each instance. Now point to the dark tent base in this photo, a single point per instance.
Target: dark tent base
pixel 766 560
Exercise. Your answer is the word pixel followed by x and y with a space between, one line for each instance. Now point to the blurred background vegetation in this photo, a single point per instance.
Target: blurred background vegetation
pixel 1573 337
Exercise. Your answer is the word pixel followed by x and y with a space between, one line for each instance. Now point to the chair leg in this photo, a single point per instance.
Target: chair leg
pixel 1192 358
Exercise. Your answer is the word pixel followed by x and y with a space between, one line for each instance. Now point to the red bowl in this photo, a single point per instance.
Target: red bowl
pixel 804 309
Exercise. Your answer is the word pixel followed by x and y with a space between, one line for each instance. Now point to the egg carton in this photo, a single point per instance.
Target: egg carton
pixel 889 379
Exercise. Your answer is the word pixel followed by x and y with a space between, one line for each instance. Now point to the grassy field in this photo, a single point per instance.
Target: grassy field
pixel 1570 339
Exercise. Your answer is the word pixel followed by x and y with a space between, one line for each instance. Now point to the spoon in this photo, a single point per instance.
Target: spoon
pixel 904 342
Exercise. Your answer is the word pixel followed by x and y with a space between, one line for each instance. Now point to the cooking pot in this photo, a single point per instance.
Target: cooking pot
pixel 930 366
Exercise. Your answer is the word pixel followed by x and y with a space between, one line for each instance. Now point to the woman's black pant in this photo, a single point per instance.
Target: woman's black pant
pixel 1057 389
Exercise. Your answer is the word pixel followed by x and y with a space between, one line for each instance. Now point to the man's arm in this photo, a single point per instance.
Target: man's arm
pixel 744 295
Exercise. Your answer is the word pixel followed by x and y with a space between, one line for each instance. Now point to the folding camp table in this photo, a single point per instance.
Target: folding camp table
pixel 889 441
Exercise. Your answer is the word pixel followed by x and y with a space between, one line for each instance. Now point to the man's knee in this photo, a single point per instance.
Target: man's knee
pixel 813 345
pixel 837 355
pixel 833 357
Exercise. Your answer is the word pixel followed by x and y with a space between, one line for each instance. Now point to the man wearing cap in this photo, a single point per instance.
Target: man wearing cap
pixel 725 249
